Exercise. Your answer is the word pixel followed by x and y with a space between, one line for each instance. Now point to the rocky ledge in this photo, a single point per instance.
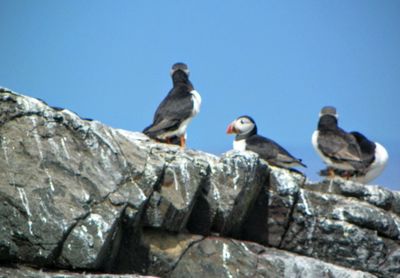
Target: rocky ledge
pixel 79 197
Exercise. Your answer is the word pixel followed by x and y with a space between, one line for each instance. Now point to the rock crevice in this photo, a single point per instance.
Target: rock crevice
pixel 78 195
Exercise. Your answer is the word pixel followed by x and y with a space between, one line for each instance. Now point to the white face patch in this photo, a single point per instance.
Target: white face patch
pixel 336 115
pixel 196 102
pixel 184 70
pixel 243 125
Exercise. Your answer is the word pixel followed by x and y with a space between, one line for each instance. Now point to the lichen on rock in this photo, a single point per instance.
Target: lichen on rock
pixel 79 196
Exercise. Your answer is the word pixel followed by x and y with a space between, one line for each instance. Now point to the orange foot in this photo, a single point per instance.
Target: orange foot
pixel 347 175
pixel 331 173
pixel 182 141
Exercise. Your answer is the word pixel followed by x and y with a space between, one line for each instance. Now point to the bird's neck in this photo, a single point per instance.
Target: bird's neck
pixel 179 77
pixel 327 122
pixel 246 135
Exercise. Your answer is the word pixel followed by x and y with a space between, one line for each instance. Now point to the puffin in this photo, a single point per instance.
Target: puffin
pixel 374 157
pixel 177 110
pixel 337 148
pixel 247 139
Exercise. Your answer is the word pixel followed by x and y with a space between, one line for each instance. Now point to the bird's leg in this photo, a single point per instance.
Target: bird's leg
pixel 347 175
pixel 182 142
pixel 331 173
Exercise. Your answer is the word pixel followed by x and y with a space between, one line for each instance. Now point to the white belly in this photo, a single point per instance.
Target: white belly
pixel 196 102
pixel 183 126
pixel 179 132
pixel 379 164
pixel 314 141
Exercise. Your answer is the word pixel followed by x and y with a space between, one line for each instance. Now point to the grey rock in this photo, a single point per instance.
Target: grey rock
pixel 79 195
pixel 268 221
pixel 236 180
pixel 26 271
pixel 65 184
pixel 171 205
pixel 218 257
pixel 166 249
pixel 343 231
pixel 92 239
pixel 375 195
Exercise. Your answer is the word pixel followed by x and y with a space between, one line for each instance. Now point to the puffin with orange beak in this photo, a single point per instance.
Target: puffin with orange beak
pixel 176 111
pixel 247 139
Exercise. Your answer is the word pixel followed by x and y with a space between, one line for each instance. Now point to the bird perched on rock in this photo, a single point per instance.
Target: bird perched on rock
pixel 337 148
pixel 374 157
pixel 178 108
pixel 247 138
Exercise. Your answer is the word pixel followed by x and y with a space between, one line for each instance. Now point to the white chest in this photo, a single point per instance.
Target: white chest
pixel 196 102
pixel 239 145
pixel 314 141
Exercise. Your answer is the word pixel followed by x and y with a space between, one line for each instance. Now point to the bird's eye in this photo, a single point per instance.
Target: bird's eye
pixel 242 121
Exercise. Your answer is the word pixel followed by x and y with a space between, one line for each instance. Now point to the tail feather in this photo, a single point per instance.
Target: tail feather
pixel 150 133
pixel 300 161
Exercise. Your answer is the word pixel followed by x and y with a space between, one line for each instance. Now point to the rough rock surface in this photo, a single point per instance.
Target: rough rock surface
pixel 79 196
pixel 26 271
pixel 232 258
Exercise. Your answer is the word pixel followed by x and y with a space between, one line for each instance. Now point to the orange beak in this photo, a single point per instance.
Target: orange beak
pixel 230 129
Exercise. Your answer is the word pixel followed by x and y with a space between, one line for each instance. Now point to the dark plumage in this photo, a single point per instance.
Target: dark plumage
pixel 351 155
pixel 367 148
pixel 177 109
pixel 248 139
pixel 374 157
pixel 337 148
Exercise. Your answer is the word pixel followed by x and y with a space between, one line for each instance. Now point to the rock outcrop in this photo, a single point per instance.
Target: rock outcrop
pixel 77 196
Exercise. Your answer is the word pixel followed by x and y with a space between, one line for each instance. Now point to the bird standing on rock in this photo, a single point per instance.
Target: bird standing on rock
pixel 247 139
pixel 337 148
pixel 178 108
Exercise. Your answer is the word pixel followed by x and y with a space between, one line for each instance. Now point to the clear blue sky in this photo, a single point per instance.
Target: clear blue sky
pixel 278 61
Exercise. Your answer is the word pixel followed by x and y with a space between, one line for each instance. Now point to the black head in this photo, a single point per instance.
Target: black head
pixel 248 118
pixel 328 118
pixel 328 110
pixel 243 125
pixel 180 67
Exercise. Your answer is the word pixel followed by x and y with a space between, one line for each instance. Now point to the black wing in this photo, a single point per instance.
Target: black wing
pixel 271 151
pixel 172 111
pixel 367 148
pixel 339 145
